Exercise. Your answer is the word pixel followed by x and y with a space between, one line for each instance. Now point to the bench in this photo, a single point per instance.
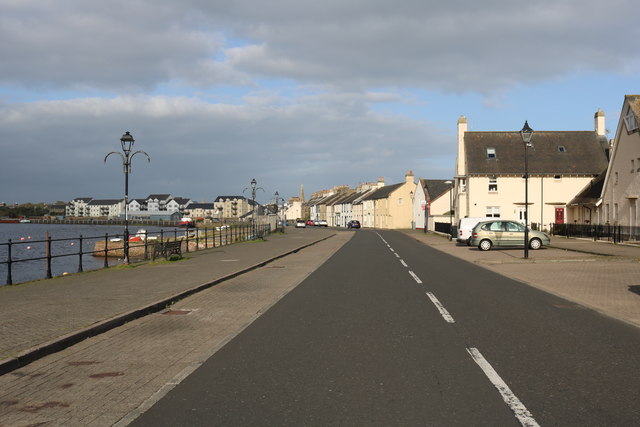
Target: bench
pixel 166 249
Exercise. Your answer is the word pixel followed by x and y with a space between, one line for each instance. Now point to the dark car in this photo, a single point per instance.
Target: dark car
pixel 353 224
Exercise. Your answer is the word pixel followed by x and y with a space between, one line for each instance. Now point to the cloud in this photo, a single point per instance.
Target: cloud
pixel 456 46
pixel 202 150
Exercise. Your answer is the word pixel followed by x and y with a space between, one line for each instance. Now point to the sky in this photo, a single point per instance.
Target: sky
pixel 290 92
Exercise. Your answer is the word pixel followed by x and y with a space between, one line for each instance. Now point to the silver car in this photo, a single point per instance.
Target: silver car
pixel 488 234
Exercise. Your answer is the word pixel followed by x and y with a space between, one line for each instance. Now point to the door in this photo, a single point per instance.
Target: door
pixel 513 234
pixel 496 230
pixel 559 215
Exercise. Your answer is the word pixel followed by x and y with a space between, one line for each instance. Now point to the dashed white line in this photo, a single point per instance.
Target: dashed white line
pixel 396 254
pixel 443 311
pixel 521 412
pixel 415 277
pixel 403 263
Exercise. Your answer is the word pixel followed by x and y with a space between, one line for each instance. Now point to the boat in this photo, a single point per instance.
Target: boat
pixel 24 221
pixel 186 222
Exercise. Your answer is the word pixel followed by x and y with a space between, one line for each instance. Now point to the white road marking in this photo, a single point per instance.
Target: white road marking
pixel 403 263
pixel 415 277
pixel 443 311
pixel 521 412
pixel 396 254
pixel 391 249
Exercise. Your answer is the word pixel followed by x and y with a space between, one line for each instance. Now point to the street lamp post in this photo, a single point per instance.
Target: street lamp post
pixel 278 198
pixel 526 133
pixel 450 183
pixel 254 189
pixel 126 143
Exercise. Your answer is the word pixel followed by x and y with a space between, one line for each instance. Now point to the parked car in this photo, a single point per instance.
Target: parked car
pixel 465 226
pixel 353 224
pixel 310 222
pixel 322 223
pixel 301 224
pixel 488 234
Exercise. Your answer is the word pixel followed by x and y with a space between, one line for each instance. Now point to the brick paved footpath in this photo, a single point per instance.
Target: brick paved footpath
pixel 111 377
pixel 41 313
pixel 598 275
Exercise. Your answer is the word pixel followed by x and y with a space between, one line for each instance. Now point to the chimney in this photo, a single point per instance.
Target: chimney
pixel 408 177
pixel 599 122
pixel 380 182
pixel 461 166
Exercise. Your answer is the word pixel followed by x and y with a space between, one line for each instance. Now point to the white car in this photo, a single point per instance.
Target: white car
pixel 301 224
pixel 322 223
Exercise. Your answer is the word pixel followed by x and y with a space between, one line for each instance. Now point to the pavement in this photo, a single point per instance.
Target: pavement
pixel 595 274
pixel 174 315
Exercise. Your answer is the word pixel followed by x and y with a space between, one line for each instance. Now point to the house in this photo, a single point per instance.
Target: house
pixel 78 207
pixel 432 203
pixel 390 207
pixel 490 172
pixel 200 210
pixel 105 208
pixel 618 202
pixel 233 206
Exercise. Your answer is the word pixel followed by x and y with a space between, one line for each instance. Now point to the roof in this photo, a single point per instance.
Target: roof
pixel 159 196
pixel 383 192
pixel 181 200
pixel 436 187
pixel 106 202
pixel 591 193
pixel 634 103
pixel 552 153
pixel 199 206
pixel 224 198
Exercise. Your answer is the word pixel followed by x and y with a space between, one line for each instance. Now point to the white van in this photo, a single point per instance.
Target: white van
pixel 465 225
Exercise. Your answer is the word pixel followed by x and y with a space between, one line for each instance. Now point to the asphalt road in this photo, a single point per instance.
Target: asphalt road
pixel 391 332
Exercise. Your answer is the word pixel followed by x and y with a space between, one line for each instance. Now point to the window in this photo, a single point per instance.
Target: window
pixel 463 185
pixel 493 212
pixel 493 185
pixel 399 201
pixel 562 149
pixel 491 153
pixel 557 177
pixel 630 121
pixel 514 227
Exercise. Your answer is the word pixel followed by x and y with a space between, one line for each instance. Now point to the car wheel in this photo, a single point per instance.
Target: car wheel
pixel 485 245
pixel 535 244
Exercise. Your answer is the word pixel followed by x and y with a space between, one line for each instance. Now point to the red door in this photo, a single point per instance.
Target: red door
pixel 559 215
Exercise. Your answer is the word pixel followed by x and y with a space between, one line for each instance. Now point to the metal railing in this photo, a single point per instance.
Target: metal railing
pixel 141 245
pixel 612 233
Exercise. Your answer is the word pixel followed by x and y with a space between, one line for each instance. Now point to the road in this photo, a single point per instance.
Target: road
pixel 391 332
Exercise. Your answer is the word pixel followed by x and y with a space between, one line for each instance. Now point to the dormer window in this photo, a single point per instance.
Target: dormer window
pixel 562 149
pixel 630 121
pixel 491 153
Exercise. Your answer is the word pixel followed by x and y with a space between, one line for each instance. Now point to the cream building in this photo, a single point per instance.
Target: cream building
pixel 618 202
pixel 490 166
pixel 390 207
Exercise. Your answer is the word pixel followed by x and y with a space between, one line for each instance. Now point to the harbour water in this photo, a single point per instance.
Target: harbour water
pixel 28 241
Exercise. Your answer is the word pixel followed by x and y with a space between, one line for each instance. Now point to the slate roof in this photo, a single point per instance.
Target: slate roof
pixel 384 192
pixel 159 196
pixel 584 153
pixel 199 206
pixel 634 103
pixel 591 193
pixel 106 202
pixel 436 187
pixel 224 198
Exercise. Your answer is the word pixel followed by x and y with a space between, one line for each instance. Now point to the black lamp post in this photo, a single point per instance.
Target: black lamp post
pixel 254 189
pixel 526 133
pixel 127 144
pixel 278 198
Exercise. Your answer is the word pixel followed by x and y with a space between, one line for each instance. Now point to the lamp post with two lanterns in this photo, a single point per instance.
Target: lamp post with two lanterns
pixel 126 142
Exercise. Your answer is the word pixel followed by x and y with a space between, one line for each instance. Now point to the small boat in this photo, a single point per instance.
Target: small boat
pixel 186 222
pixel 24 221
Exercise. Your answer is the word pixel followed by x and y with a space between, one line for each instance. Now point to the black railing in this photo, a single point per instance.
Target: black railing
pixel 443 227
pixel 612 233
pixel 141 246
